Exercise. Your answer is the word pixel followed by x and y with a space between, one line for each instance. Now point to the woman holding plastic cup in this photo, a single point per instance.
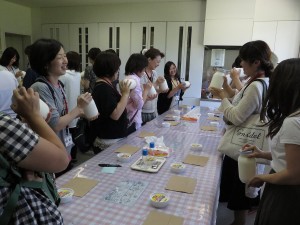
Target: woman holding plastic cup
pixel 175 92
pixel 112 123
pixel 256 62
pixel 134 70
pixel 48 59
pixel 154 57
pixel 281 194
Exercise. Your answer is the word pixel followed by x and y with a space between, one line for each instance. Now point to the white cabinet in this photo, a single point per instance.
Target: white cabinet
pixel 116 36
pixel 149 35
pixel 228 23
pixel 83 37
pixel 287 43
pixel 283 37
pixel 184 47
pixel 228 32
pixel 265 31
pixel 58 32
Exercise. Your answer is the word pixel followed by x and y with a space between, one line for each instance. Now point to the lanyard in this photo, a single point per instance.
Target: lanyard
pixel 109 83
pixel 174 83
pixel 65 103
pixel 150 78
pixel 66 110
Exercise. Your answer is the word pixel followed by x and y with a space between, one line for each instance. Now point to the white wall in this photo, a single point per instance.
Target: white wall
pixel 233 22
pixel 131 12
pixel 277 10
pixel 36 23
pixel 14 19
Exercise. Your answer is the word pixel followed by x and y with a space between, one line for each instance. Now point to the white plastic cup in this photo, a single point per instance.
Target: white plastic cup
pixel 152 91
pixel 217 80
pixel 23 74
pixel 91 110
pixel 251 192
pixel 241 72
pixel 44 109
pixel 186 83
pixel 132 81
pixel 163 86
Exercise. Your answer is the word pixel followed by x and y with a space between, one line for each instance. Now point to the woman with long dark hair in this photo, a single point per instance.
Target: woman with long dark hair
pixel 176 89
pixel 281 195
pixel 257 65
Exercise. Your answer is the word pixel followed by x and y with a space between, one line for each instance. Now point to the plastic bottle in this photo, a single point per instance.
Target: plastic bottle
pixel 145 158
pixel 247 166
pixel 151 147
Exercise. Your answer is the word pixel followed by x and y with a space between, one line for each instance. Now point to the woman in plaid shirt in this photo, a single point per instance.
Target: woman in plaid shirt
pixel 34 149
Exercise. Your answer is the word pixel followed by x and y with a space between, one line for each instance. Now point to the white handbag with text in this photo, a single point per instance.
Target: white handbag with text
pixel 252 131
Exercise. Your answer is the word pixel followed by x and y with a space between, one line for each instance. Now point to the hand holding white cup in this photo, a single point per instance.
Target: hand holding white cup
pixel 217 80
pixel 186 84
pixel 152 91
pixel 160 79
pixel 163 86
pixel 44 109
pixel 131 81
pixel 91 110
pixel 240 71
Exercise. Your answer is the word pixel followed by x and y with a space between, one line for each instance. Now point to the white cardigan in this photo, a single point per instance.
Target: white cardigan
pixel 241 108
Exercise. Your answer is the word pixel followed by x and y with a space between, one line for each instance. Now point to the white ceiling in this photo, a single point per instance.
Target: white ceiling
pixel 60 3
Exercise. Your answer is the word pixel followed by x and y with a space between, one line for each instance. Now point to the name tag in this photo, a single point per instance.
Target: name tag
pixel 176 98
pixel 68 140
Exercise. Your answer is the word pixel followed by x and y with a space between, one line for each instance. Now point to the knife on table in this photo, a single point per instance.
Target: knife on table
pixel 109 165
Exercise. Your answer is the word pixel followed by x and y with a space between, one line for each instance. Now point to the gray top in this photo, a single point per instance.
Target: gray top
pixel 56 106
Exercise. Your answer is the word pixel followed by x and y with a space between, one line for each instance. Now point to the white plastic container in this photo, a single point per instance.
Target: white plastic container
pixel 196 147
pixel 65 194
pixel 177 167
pixel 159 200
pixel 251 192
pixel 152 91
pixel 247 166
pixel 131 81
pixel 44 109
pixel 91 110
pixel 186 83
pixel 123 157
pixel 241 71
pixel 217 80
pixel 163 86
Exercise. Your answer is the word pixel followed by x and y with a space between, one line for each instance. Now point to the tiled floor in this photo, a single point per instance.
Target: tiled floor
pixel 225 216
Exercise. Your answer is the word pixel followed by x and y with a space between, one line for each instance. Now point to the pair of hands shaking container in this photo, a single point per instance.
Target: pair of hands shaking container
pixel 85 104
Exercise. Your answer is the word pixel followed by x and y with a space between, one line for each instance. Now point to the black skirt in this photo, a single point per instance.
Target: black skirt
pixel 280 204
pixel 232 190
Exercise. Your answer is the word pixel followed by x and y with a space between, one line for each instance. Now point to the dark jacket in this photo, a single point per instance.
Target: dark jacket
pixel 163 102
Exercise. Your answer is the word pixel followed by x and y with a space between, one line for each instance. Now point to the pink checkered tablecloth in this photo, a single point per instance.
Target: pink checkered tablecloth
pixel 190 126
pixel 197 208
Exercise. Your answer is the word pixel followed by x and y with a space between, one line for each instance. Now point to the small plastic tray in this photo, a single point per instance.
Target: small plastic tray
pixel 154 168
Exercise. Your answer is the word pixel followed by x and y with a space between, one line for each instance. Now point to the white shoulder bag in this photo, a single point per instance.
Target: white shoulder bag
pixel 252 131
